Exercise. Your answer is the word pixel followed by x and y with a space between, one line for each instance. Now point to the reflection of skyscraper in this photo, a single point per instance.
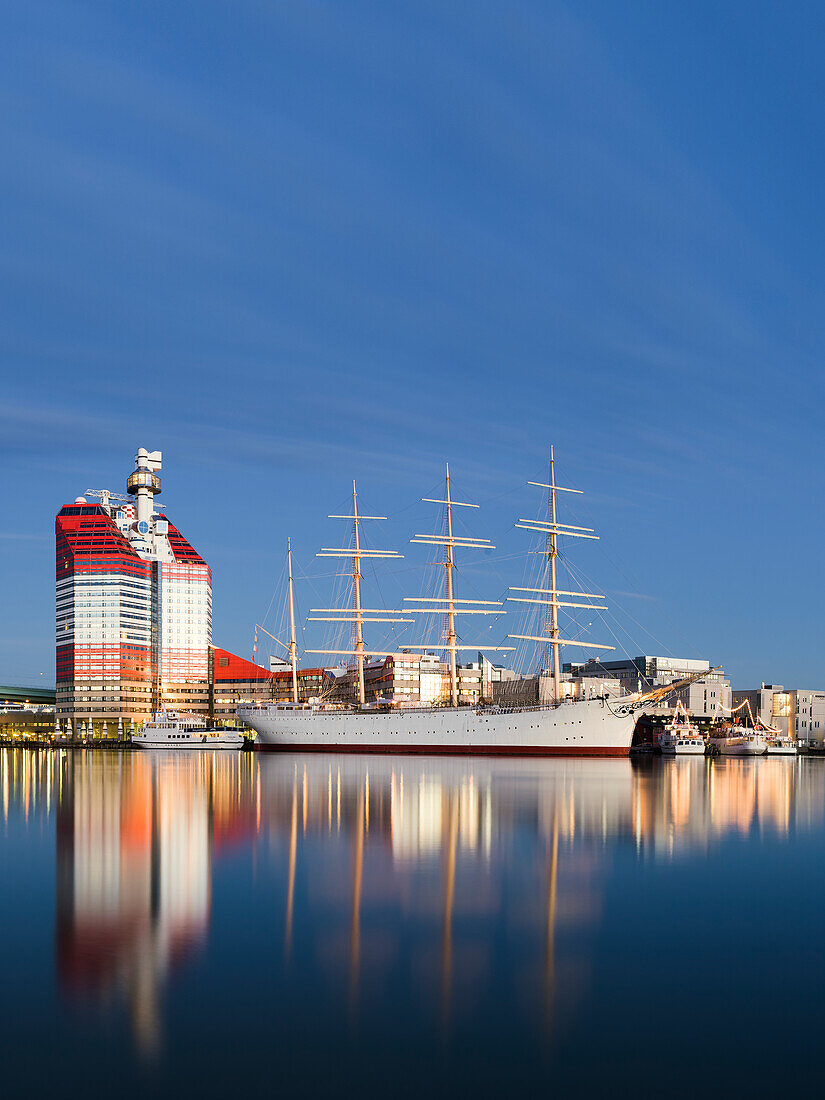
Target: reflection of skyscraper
pixel 134 844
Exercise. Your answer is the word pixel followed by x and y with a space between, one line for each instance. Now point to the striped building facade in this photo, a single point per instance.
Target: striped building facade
pixel 133 610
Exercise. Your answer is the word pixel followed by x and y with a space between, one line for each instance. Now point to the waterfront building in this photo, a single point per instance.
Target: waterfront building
pixel 234 680
pixel 133 608
pixel 526 691
pixel 25 723
pixel 769 703
pixel 807 712
pixel 417 679
pixel 707 697
pixel 311 681
pixel 797 712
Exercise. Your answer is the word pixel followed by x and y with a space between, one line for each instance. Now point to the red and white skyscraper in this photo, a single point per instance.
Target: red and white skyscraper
pixel 134 608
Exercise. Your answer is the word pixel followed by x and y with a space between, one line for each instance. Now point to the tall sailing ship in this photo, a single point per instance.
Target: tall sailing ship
pixel 563 726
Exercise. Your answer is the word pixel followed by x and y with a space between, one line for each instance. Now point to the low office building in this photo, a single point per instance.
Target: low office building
pixel 708 697
pixel 769 703
pixel 234 680
pixel 414 679
pixel 807 710
pixel 530 691
pixel 26 712
pixel 403 679
pixel 798 712
pixel 311 681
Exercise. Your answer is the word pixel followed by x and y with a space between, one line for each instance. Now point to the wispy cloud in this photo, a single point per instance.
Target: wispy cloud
pixel 633 595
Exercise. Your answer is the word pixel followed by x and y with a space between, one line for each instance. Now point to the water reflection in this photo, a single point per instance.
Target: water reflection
pixel 135 840
pixel 459 883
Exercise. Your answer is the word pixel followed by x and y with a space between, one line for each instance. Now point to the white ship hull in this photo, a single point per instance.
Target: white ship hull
pixel 751 746
pixel 174 733
pixel 588 727
pixel 689 747
pixel 196 741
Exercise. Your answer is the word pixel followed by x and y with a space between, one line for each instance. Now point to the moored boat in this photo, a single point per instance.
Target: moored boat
pixel 779 745
pixel 169 730
pixel 741 741
pixel 680 737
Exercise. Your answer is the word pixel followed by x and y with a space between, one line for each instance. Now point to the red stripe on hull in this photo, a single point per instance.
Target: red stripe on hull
pixel 443 750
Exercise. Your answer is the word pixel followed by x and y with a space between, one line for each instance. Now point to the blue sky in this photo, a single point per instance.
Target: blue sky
pixel 294 243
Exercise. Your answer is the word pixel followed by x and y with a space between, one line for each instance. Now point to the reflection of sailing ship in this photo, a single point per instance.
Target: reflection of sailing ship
pixel 134 846
pixel 433 842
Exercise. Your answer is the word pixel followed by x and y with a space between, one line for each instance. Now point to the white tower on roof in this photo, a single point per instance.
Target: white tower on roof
pixel 144 484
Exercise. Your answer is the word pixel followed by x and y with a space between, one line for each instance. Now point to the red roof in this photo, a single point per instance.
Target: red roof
pixel 183 550
pixel 230 667
pixel 89 541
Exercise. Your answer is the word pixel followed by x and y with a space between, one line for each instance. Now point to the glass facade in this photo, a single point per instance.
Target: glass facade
pixel 183 598
pixel 133 619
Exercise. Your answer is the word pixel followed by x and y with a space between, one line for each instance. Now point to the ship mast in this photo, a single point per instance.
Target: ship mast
pixel 292 648
pixel 449 566
pixel 450 542
pixel 356 581
pixel 554 606
pixel 293 645
pixel 552 528
pixel 356 613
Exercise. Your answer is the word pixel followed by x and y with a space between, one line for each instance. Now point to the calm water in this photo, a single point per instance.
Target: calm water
pixel 238 924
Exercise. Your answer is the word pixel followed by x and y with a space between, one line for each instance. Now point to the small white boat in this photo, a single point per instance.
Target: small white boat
pixel 742 741
pixel 781 746
pixel 680 737
pixel 682 744
pixel 168 730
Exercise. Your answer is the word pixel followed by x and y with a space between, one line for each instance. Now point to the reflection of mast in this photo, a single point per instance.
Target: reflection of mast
pixel 293 848
pixel 550 943
pixel 449 895
pixel 355 921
